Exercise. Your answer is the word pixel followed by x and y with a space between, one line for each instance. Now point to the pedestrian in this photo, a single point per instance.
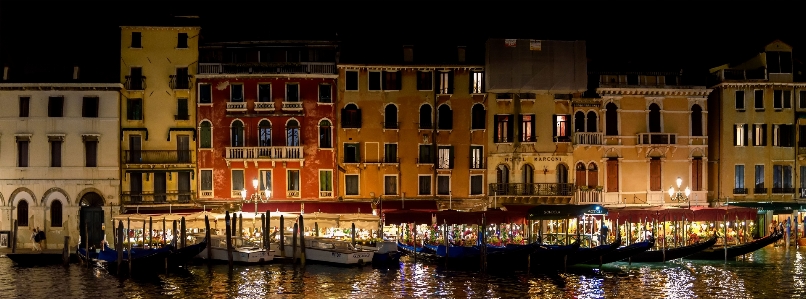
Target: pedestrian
pixel 42 243
pixel 35 240
pixel 603 234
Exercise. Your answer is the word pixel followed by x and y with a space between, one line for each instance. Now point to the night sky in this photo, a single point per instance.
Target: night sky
pixel 626 35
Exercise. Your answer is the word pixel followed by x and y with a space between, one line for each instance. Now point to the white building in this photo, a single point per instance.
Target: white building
pixel 59 160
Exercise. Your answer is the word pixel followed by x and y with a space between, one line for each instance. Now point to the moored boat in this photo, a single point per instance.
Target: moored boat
pixel 592 254
pixel 327 250
pixel 242 253
pixel 623 252
pixel 721 253
pixel 659 256
pixel 386 253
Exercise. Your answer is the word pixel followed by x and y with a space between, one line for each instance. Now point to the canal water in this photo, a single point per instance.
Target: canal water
pixel 767 273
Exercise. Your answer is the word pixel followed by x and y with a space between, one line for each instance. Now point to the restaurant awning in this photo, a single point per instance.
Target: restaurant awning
pixel 557 212
pixel 332 207
pixel 632 214
pixel 771 205
pixel 408 216
pixel 415 204
pixel 722 213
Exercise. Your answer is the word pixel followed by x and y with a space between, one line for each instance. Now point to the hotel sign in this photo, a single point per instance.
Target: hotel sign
pixel 537 159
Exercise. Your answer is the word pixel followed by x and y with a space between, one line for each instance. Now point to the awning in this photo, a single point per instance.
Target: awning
pixel 416 204
pixel 408 216
pixel 451 217
pixel 556 212
pixel 722 213
pixel 332 207
pixel 656 213
pixel 771 205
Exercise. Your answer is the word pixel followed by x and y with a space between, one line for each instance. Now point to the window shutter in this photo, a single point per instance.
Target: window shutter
pixel 483 116
pixel 450 82
pixel 654 175
pixel 495 130
pixel 450 119
pixel 520 128
pixel 612 175
pixel 510 128
pixel 696 169
pixel 358 117
pixel 533 137
pixel 764 134
pixel 451 157
pixel 398 80
pixel 554 126
pixel 470 82
pixel 344 118
pixel 734 135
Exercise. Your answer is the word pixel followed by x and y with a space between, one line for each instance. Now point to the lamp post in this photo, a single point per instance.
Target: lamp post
pixel 257 196
pixel 680 195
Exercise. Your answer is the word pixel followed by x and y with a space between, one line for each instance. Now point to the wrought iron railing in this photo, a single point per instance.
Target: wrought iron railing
pixel 265 153
pixel 534 189
pixel 739 190
pixel 151 197
pixel 788 190
pixel 135 83
pixel 268 68
pixel 588 138
pixel 180 82
pixel 158 156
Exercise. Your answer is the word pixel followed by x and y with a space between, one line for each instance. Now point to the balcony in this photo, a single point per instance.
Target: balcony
pixel 180 82
pixel 740 191
pixel 390 125
pixel 585 196
pixel 534 189
pixel 262 106
pixel 268 68
pixel 182 117
pixel 292 193
pixel 325 193
pixel 264 153
pixel 135 83
pixel 206 194
pixel 292 106
pixel 158 157
pixel 738 75
pixel 588 138
pixel 236 106
pixel 150 197
pixel 657 138
pixel 789 190
pixel 759 190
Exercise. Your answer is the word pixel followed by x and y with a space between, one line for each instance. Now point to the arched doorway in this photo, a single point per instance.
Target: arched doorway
pixel 92 219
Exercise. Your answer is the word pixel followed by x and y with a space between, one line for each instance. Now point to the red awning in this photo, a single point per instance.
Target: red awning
pixel 730 213
pixel 657 213
pixel 451 217
pixel 408 216
pixel 413 204
pixel 331 207
pixel 162 211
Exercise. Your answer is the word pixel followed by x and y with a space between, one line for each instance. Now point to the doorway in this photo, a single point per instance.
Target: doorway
pixel 92 220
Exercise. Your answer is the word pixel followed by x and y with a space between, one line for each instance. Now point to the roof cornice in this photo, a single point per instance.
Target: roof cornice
pixel 678 92
pixel 410 67
pixel 759 84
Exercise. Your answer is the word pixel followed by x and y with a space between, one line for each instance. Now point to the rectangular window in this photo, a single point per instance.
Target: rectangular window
pixel 89 107
pixel 443 185
pixel 758 99
pixel 91 152
pixel 654 175
pixel 182 109
pixel 425 80
pixel 476 82
pixel 351 184
pixel 527 128
pixel 426 154
pixel 22 151
pixel 787 99
pixel 476 157
pixel 476 184
pixel 759 134
pixel 292 92
pixel 390 185
pixel 25 103
pixel 759 176
pixel 264 93
pixel 137 40
pixel 738 178
pixel 696 174
pixel 445 157
pixel 237 180
pixel 236 93
pixel 783 135
pixel 293 183
pixel 390 153
pixel 181 79
pixel 351 82
pixel 374 80
pixel 205 94
pixel 739 100
pixel 391 80
pixel 134 109
pixel 782 179
pixel 326 181
pixel 612 175
pixel 424 185
pixel 740 135
pixel 182 41
pixel 265 180
pixel 55 151
pixel 445 82
pixel 779 62
pixel 802 99
pixel 777 99
pixel 206 179
pixel 503 128
pixel 55 106
pixel 325 93
pixel 562 129
pixel 352 153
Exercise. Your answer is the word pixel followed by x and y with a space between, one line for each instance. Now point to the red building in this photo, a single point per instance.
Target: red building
pixel 266 112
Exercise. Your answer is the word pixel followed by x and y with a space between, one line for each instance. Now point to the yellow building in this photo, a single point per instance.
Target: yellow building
pixel 157 116
pixel 756 119
pixel 413 128
pixel 654 132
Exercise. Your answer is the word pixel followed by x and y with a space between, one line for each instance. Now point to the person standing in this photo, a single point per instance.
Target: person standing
pixel 35 240
pixel 42 243
pixel 603 234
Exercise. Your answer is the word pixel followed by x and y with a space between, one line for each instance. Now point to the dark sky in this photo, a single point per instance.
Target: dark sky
pixel 691 35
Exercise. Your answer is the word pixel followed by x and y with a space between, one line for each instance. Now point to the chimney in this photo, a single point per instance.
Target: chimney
pixel 75 73
pixel 460 51
pixel 5 73
pixel 408 53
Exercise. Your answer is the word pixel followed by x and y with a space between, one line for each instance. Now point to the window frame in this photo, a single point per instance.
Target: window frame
pixel 289 178
pixel 447 80
pixel 397 80
pixel 329 96
pixel 532 127
pixel 182 39
pixel 357 156
pixel 87 151
pixel 397 187
pixel 370 79
pixel 233 176
pixel 53 213
pixel 299 91
pixel 330 134
pixel 421 81
pixel 743 100
pixel 87 103
pixel 347 79
pixel 736 184
pixel 357 183
pixel 476 84
pixel 201 135
pixel 430 185
pixel 52 141
pixel 450 190
pixel 479 159
pixel 757 101
pixel 201 179
pixel 330 183
pixel 396 158
pixel 56 102
pixel 23 155
pixel 139 44
pixel 202 87
pixel 260 94
pixel 24 106
pixel 232 92
pixel 470 185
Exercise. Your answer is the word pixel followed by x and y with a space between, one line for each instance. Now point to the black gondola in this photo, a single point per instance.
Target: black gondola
pixel 36 258
pixel 719 253
pixel 552 256
pixel 592 254
pixel 182 256
pixel 624 252
pixel 660 256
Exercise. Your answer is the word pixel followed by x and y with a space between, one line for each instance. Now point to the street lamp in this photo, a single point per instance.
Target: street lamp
pixel 680 196
pixel 257 196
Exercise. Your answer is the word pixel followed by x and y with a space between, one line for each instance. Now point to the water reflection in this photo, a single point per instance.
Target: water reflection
pixel 769 273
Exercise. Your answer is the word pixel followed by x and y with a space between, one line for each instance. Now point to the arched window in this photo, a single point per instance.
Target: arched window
pixel 654 118
pixel 264 133
pixel 292 133
pixel 479 117
pixel 236 136
pixel 579 121
pixel 351 116
pixel 562 179
pixel 325 133
pixel 580 174
pixel 593 175
pixel 56 213
pixel 591 125
pixel 502 175
pixel 696 120
pixel 611 120
pixel 206 135
pixel 425 117
pixel 390 117
pixel 445 118
pixel 22 213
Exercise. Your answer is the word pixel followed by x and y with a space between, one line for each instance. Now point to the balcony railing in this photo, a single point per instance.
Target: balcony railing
pixel 759 190
pixel 180 82
pixel 264 106
pixel 390 125
pixel 588 138
pixel 265 153
pixel 181 117
pixel 235 194
pixel 589 196
pixel 657 138
pixel 739 190
pixel 268 68
pixel 325 193
pixel 789 190
pixel 206 193
pixel 158 156
pixel 135 83
pixel 150 197
pixel 236 106
pixel 534 189
pixel 292 193
pixel 292 106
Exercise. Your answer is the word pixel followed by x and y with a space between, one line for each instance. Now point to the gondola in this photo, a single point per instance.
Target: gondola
pixel 624 252
pixel 35 258
pixel 182 256
pixel 660 256
pixel 142 260
pixel 592 254
pixel 719 253
pixel 552 256
pixel 419 253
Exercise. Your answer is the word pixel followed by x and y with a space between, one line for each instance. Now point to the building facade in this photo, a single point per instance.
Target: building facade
pixel 266 112
pixel 412 126
pixel 59 165
pixel 157 117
